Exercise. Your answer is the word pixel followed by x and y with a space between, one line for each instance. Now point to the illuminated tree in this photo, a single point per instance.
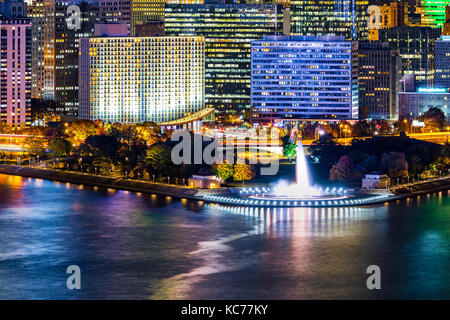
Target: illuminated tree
pixel 223 170
pixel 289 149
pixel 243 171
pixel 79 130
pixel 34 146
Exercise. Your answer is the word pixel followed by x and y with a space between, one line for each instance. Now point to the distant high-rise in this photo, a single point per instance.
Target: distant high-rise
pixel 415 104
pixel 145 11
pixel 346 18
pixel 61 51
pixel 380 72
pixel 13 8
pixel 304 77
pixel 15 80
pixel 228 30
pixel 35 11
pixel 442 63
pixel 114 11
pixel 132 12
pixel 434 15
pixel 139 79
pixel 393 14
pixel 446 27
pixel 416 47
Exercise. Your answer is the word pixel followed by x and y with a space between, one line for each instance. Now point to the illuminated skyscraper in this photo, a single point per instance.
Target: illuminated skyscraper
pixel 346 18
pixel 144 11
pixel 434 12
pixel 138 79
pixel 442 63
pixel 61 51
pixel 380 72
pixel 446 27
pixel 115 11
pixel 132 12
pixel 304 77
pixel 416 47
pixel 15 80
pixel 35 11
pixel 228 30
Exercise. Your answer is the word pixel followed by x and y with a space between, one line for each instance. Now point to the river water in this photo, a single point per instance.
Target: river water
pixel 136 246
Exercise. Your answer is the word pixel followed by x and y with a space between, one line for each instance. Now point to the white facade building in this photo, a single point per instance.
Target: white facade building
pixel 138 79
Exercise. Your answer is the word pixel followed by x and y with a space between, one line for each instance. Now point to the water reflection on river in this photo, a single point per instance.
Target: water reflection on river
pixel 141 246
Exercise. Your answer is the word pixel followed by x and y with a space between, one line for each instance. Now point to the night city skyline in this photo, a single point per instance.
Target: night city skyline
pixel 216 151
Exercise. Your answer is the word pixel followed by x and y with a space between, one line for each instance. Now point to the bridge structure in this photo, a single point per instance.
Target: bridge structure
pixel 189 119
pixel 13 142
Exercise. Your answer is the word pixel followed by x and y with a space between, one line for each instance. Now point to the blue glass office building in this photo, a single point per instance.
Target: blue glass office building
pixel 304 77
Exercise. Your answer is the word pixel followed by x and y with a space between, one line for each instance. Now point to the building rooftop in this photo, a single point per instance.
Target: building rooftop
pixel 303 38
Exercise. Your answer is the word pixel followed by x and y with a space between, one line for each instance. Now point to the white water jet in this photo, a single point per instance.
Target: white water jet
pixel 302 187
pixel 301 168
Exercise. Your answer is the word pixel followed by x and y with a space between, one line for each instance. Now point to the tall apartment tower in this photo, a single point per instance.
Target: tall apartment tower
pixel 380 72
pixel 15 80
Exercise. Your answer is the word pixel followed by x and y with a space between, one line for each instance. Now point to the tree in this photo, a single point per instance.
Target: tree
pixel 150 132
pixel 79 130
pixel 289 149
pixel 60 147
pixel 325 140
pixel 381 127
pixel 34 146
pixel 103 164
pixel 224 170
pixel 5 128
pixel 442 163
pixel 103 145
pixel 361 128
pixel 343 170
pixel 434 119
pixel 243 171
pixel 395 164
pixel 159 160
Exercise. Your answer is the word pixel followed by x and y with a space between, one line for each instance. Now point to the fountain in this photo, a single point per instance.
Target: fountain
pixel 301 193
pixel 302 189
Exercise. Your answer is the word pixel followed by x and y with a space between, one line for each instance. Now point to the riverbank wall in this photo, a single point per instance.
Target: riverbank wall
pixel 100 181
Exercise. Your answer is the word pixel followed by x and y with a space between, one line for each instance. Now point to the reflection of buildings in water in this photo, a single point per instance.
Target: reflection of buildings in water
pixel 322 222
